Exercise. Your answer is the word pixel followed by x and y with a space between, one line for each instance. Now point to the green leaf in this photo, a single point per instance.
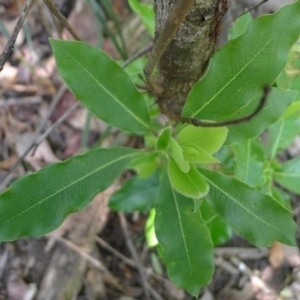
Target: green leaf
pixel 282 133
pixel 277 102
pixel 38 203
pixel 255 216
pixel 289 175
pixel 284 198
pixel 208 139
pixel 197 155
pixel 241 69
pixel 146 12
pixel 136 194
pixel 150 230
pixel 163 139
pixel 239 26
pixel 190 184
pixel 176 153
pixel 249 163
pixel 219 231
pixel 101 85
pixel 187 249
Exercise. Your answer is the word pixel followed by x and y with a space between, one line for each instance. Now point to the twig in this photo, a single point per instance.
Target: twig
pixel 22 101
pixel 248 10
pixel 36 143
pixel 200 123
pixel 127 260
pixel 10 44
pixel 137 55
pixel 95 262
pixel 51 109
pixel 108 247
pixel 62 19
pixel 145 284
pixel 169 30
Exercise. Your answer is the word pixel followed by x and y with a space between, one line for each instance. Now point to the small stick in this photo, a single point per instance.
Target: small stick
pixel 10 44
pixel 137 55
pixel 96 263
pixel 36 143
pixel 62 19
pixel 248 10
pixel 19 102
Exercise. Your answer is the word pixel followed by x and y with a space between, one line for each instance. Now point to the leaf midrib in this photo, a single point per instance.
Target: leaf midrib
pixel 66 187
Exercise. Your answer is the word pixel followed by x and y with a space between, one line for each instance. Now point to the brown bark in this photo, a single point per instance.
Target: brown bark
pixel 186 58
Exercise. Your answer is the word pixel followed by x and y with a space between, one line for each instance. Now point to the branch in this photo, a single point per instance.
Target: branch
pixel 10 44
pixel 177 15
pixel 62 19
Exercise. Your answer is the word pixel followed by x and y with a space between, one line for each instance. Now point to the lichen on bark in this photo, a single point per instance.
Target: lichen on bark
pixel 186 58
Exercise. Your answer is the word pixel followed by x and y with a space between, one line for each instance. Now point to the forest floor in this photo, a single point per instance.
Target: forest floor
pixel 88 256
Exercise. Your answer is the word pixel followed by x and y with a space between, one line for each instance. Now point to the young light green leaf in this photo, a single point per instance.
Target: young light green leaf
pixel 239 26
pixel 150 230
pixel 219 231
pixel 144 163
pixel 101 85
pixel 176 153
pixel 196 155
pixel 208 139
pixel 136 194
pixel 146 12
pixel 245 65
pixel 38 203
pixel 255 216
pixel 249 163
pixel 163 139
pixel 190 184
pixel 187 249
pixel 289 175
pixel 277 102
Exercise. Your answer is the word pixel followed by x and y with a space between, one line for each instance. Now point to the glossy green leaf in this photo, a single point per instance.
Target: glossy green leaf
pixel 136 194
pixel 38 203
pixel 239 26
pixel 289 175
pixel 277 102
pixel 163 139
pixel 190 184
pixel 146 12
pixel 249 163
pixel 150 230
pixel 255 216
pixel 208 139
pixel 186 246
pixel 176 153
pixel 241 69
pixel 219 231
pixel 282 133
pixel 101 85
